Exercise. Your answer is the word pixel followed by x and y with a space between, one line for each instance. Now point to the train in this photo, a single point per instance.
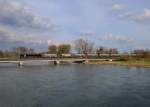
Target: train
pixel 47 55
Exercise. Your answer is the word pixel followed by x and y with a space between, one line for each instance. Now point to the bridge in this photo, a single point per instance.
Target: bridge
pixel 54 61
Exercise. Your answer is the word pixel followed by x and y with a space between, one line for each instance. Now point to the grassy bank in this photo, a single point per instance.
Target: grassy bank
pixel 137 63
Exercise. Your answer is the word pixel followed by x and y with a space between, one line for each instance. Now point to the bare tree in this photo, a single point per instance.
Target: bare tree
pixel 112 51
pixel 79 45
pixel 30 51
pixel 22 51
pixel 83 46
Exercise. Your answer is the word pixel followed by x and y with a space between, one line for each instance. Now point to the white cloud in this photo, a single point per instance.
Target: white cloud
pixel 10 36
pixel 118 7
pixel 52 42
pixel 118 38
pixel 15 14
pixel 87 34
pixel 140 17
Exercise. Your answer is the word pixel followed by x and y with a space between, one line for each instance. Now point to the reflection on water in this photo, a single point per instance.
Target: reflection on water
pixel 74 86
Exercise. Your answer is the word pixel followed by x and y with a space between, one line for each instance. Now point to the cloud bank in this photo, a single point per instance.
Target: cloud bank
pixel 12 37
pixel 20 25
pixel 15 14
pixel 118 38
pixel 118 7
pixel 128 14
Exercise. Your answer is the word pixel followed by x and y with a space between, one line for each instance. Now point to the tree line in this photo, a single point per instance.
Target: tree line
pixel 80 46
pixel 15 52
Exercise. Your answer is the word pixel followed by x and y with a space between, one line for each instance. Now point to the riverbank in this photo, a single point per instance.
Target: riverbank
pixel 136 63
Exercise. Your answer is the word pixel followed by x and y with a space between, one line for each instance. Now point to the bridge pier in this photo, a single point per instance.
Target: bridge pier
pixel 20 63
pixel 56 62
pixel 86 61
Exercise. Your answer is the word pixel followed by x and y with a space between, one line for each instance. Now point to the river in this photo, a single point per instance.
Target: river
pixel 76 85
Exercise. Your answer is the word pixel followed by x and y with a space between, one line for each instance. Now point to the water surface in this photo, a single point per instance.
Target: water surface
pixel 74 86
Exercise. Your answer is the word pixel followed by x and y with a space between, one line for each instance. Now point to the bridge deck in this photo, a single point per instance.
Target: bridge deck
pixel 51 60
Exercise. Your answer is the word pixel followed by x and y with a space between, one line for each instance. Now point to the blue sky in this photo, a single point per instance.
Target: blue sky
pixel 122 24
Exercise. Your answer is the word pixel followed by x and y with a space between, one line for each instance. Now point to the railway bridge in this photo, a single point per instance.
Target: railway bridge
pixel 54 61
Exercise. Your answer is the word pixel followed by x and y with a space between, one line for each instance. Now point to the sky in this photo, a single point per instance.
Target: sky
pixel 122 24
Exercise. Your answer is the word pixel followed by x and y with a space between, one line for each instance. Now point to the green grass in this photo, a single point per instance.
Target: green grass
pixel 135 62
pixel 140 63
